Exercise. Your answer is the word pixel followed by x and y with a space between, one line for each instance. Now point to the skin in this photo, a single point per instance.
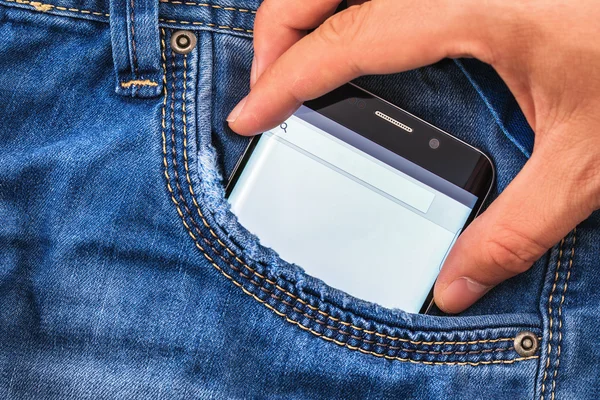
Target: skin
pixel 547 52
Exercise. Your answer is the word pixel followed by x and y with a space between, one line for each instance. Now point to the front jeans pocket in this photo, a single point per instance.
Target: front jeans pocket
pixel 324 329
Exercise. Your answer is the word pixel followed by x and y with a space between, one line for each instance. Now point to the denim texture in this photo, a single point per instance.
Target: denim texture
pixel 123 274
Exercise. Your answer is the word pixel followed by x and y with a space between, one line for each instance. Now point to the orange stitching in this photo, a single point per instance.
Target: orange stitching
pixel 344 344
pixel 47 7
pixel 133 47
pixel 338 330
pixel 562 300
pixel 362 338
pixel 172 21
pixel 549 349
pixel 174 146
pixel 174 150
pixel 190 3
pixel 138 82
pixel 169 187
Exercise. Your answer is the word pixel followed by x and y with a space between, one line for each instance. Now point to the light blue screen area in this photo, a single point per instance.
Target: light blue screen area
pixel 350 212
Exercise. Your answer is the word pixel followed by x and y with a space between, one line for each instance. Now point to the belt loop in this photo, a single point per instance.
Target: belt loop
pixel 136 47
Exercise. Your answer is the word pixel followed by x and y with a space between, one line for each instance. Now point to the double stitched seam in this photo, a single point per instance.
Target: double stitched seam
pixel 217 7
pixel 44 7
pixel 559 318
pixel 550 317
pixel 209 24
pixel 560 323
pixel 133 46
pixel 252 294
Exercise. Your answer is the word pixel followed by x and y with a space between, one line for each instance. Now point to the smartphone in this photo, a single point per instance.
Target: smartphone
pixel 361 194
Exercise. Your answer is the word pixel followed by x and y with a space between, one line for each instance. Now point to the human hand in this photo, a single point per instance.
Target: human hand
pixel 548 54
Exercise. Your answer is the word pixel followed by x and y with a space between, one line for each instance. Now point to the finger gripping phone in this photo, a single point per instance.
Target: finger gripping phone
pixel 362 195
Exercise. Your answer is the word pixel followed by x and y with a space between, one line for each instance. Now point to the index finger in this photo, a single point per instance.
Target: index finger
pixel 281 23
pixel 376 37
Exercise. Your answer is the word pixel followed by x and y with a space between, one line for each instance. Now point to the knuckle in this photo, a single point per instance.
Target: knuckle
pixel 511 252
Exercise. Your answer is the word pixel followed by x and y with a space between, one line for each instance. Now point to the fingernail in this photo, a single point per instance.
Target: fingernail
pixel 235 113
pixel 461 293
pixel 253 72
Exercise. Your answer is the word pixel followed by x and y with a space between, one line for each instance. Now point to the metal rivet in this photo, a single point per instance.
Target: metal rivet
pixel 526 343
pixel 183 42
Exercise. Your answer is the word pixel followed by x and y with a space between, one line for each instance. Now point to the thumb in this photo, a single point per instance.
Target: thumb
pixel 540 206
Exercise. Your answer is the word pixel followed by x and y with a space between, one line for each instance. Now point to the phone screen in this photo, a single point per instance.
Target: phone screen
pixel 350 212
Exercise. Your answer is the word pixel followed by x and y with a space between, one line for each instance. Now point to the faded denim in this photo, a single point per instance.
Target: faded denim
pixel 123 274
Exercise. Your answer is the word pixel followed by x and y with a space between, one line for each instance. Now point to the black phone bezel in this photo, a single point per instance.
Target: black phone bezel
pixel 454 160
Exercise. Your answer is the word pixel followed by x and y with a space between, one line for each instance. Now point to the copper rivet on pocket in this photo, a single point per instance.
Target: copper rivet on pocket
pixel 183 42
pixel 526 343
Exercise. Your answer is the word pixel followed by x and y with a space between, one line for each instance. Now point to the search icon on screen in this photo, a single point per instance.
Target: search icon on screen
pixel 284 127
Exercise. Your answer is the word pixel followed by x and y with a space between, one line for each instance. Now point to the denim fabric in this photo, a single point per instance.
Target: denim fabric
pixel 123 274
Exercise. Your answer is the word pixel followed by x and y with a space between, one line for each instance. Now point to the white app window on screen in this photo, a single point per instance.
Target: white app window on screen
pixel 347 218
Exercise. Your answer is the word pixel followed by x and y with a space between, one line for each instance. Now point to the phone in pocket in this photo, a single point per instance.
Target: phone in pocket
pixel 362 195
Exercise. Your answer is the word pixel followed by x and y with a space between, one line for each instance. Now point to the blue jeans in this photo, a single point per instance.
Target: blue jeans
pixel 123 274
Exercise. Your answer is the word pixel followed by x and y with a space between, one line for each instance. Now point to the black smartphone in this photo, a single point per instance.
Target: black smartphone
pixel 361 194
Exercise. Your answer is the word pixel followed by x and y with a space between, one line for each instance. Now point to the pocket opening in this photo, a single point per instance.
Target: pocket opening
pixel 283 288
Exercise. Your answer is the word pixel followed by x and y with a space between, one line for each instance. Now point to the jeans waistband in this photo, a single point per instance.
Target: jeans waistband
pixel 135 34
pixel 219 14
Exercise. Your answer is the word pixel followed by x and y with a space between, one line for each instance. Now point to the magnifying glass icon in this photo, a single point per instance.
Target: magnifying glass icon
pixel 284 127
